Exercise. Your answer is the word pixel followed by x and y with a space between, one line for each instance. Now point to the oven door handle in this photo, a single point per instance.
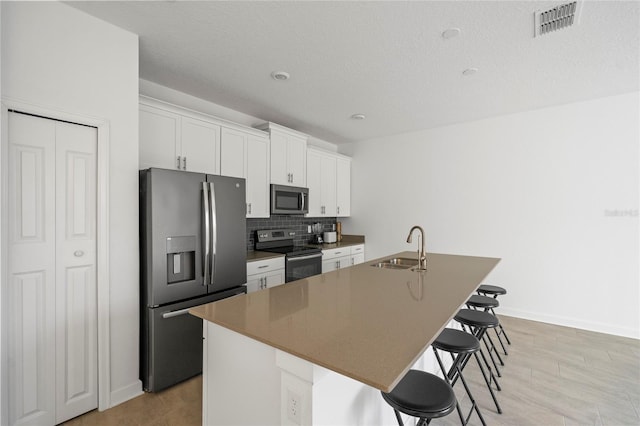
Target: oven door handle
pixel 312 256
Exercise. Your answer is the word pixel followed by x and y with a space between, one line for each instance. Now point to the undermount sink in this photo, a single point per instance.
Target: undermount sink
pixel 397 263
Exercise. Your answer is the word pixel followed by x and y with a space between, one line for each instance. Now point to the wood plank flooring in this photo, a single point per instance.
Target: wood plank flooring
pixel 553 376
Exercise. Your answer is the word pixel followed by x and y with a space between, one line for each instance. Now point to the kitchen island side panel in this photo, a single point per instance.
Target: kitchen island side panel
pixel 246 382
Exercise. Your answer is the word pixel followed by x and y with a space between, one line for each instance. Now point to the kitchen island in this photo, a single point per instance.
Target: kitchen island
pixel 317 350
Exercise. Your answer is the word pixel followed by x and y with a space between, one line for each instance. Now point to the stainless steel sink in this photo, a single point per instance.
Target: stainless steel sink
pixel 397 263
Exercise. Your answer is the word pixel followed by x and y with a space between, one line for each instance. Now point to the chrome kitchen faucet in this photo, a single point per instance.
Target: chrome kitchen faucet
pixel 422 255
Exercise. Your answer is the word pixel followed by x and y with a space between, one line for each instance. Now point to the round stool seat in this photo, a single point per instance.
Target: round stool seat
pixel 491 289
pixel 456 341
pixel 483 301
pixel 421 394
pixel 475 318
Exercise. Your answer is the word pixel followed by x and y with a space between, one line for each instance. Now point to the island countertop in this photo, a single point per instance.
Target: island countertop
pixel 367 323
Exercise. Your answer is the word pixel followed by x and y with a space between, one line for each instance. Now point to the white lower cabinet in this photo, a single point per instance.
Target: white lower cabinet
pixel 343 257
pixel 357 254
pixel 262 274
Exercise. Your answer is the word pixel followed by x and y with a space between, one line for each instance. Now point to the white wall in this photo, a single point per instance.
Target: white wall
pixel 537 189
pixel 59 58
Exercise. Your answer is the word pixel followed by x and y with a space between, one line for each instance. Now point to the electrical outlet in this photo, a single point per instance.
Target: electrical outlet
pixel 294 407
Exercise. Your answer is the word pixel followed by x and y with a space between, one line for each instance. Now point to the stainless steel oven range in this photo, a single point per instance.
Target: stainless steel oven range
pixel 301 261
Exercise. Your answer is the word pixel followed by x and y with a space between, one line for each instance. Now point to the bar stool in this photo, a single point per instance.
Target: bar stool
pixel 423 395
pixel 495 291
pixel 461 346
pixel 487 304
pixel 478 323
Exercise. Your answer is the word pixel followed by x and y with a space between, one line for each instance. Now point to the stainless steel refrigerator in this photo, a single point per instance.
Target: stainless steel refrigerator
pixel 192 251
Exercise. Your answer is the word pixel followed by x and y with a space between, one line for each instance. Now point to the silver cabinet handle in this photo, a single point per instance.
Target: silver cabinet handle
pixel 175 313
pixel 184 163
pixel 353 261
pixel 249 208
pixel 338 210
pixel 179 162
pixel 78 253
pixel 263 266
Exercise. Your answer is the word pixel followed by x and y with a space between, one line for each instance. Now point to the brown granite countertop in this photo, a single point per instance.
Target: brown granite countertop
pixel 254 255
pixel 367 323
pixel 347 241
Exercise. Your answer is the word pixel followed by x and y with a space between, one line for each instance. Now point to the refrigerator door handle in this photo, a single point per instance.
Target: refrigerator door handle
pixel 207 244
pixel 214 230
pixel 175 313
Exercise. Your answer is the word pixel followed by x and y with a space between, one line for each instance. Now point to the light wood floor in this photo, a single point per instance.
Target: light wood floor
pixel 553 376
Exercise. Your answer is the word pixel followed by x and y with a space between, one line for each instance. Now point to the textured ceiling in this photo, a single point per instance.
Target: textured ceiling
pixel 387 60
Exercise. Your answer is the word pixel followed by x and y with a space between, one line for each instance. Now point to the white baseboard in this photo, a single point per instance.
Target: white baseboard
pixel 126 393
pixel 599 327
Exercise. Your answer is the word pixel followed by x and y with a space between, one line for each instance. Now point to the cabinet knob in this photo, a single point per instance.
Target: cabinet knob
pixel 78 253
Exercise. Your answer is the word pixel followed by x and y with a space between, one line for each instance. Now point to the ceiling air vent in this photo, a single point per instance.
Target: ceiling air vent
pixel 557 18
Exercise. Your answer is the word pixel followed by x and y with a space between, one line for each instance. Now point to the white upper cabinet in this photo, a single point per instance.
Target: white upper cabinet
pixel 321 180
pixel 200 143
pixel 343 186
pixel 171 140
pixel 245 154
pixel 288 155
pixel 329 181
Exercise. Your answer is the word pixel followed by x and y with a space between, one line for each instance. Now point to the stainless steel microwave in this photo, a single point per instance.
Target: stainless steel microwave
pixel 289 200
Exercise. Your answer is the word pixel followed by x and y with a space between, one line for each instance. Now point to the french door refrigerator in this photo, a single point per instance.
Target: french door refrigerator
pixel 192 251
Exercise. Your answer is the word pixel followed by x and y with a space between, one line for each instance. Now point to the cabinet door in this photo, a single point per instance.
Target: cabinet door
pixel 343 187
pixel 328 187
pixel 329 265
pixel 275 278
pixel 254 282
pixel 232 150
pixel 200 142
pixel 297 160
pixel 314 183
pixel 159 138
pixel 279 170
pixel 257 176
pixel 357 258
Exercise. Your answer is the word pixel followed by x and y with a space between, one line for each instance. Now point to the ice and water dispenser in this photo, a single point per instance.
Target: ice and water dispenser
pixel 181 259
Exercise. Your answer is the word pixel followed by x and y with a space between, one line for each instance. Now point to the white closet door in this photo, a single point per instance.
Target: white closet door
pixel 52 270
pixel 76 304
pixel 31 270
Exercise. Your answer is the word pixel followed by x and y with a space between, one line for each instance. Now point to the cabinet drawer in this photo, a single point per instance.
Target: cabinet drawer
pixel 334 253
pixel 261 266
pixel 357 249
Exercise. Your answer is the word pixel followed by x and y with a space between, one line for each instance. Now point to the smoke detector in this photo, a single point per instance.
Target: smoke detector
pixel 557 18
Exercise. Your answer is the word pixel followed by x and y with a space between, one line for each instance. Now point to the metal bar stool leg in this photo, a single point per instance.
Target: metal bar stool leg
pixel 448 380
pixel 487 380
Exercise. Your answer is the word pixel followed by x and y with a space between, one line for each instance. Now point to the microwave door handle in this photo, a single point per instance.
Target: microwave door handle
pixel 302 199
pixel 205 213
pixel 214 230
